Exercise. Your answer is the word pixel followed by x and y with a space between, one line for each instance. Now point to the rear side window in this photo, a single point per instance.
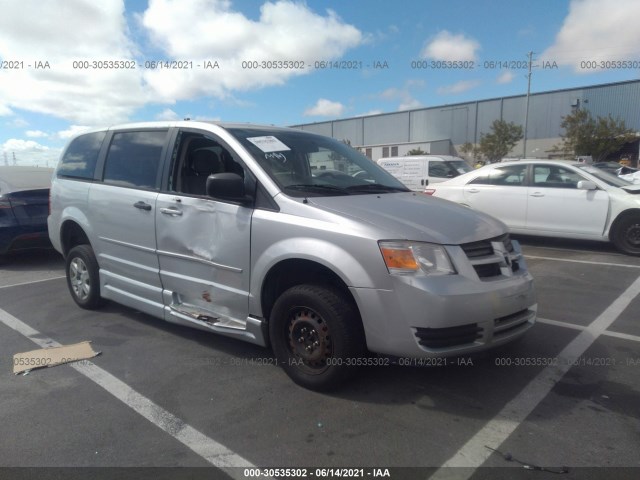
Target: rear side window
pixel 506 176
pixel 134 159
pixel 79 160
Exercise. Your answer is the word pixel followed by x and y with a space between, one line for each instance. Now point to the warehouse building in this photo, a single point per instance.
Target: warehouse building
pixel 444 129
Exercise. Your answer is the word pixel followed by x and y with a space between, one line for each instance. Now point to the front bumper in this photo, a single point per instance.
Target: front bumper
pixel 448 315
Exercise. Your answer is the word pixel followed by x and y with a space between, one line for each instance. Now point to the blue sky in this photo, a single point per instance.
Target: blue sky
pixel 41 108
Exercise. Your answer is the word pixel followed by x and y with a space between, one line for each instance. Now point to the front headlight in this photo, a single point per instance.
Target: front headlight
pixel 415 258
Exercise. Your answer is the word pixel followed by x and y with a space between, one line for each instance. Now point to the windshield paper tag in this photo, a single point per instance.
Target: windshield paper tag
pixel 268 144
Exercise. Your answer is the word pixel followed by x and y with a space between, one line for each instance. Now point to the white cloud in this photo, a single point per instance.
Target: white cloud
pixel 505 77
pixel 410 104
pixel 404 94
pixel 72 131
pixel 28 152
pixel 18 145
pixel 35 134
pixel 370 112
pixel 458 87
pixel 4 110
pixel 447 46
pixel 167 114
pixel 18 123
pixel 60 33
pixel 325 108
pixel 211 30
pixel 596 30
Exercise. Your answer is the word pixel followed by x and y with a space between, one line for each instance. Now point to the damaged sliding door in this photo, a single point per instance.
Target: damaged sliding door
pixel 203 250
pixel 203 243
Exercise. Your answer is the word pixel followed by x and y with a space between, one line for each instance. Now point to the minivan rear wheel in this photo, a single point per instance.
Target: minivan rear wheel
pixel 626 236
pixel 83 277
pixel 316 336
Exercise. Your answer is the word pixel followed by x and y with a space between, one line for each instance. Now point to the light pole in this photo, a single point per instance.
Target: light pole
pixel 526 112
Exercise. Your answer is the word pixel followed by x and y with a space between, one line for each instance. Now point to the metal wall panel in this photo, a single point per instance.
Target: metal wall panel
pixel 426 125
pixel 546 112
pixel 382 129
pixel 324 128
pixel 458 122
pixel 488 111
pixel 348 130
pixel 622 101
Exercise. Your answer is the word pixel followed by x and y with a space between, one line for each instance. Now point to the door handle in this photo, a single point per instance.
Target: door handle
pixel 142 206
pixel 473 190
pixel 174 212
pixel 537 194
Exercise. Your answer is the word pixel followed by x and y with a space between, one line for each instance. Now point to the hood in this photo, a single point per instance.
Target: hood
pixel 414 216
pixel 633 189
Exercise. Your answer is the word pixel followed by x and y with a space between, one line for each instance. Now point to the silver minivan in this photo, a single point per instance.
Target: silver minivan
pixel 286 239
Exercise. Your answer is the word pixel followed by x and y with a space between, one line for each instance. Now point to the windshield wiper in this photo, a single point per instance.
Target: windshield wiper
pixel 376 188
pixel 321 187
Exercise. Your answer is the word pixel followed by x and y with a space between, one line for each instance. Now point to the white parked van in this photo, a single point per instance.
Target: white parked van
pixel 418 171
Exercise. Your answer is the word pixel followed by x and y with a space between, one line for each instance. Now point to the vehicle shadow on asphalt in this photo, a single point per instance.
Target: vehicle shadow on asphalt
pixel 476 386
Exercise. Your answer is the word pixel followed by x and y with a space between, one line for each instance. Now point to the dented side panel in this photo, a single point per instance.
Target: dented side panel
pixel 203 251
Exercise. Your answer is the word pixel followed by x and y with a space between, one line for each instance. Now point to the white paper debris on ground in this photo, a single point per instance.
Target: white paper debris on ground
pixel 50 357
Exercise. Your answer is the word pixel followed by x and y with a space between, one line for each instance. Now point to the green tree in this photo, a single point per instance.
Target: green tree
pixel 501 140
pixel 598 137
pixel 416 151
pixel 471 151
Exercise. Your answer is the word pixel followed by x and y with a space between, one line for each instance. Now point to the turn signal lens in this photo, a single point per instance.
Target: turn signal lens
pixel 399 258
pixel 419 258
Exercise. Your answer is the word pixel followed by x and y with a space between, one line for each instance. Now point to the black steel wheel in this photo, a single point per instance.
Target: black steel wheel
pixel 626 235
pixel 83 278
pixel 316 335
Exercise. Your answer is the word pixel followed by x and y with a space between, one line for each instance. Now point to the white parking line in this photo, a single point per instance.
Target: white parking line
pixel 587 262
pixel 213 452
pixel 573 326
pixel 475 452
pixel 32 281
pixel 556 323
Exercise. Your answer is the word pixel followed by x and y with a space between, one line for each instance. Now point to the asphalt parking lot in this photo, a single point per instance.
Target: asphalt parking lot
pixel 160 395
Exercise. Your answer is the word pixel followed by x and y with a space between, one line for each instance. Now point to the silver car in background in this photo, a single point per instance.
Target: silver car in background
pixel 284 238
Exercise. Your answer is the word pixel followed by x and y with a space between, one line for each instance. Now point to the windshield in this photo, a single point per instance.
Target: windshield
pixel 305 164
pixel 606 177
pixel 459 166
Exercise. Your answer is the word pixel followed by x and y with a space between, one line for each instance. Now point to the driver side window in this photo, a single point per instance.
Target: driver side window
pixel 195 158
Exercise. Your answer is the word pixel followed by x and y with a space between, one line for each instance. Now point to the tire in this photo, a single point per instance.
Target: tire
pixel 83 278
pixel 316 336
pixel 626 236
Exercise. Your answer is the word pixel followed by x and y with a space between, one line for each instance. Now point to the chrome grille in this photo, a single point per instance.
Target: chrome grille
pixel 492 257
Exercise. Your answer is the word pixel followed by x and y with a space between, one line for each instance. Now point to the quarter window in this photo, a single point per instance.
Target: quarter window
pixel 512 175
pixel 134 159
pixel 79 160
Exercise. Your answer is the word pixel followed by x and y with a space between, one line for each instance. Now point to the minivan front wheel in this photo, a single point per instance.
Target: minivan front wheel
pixel 316 336
pixel 626 236
pixel 82 277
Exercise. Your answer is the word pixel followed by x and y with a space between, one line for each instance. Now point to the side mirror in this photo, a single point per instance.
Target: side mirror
pixel 586 185
pixel 227 186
